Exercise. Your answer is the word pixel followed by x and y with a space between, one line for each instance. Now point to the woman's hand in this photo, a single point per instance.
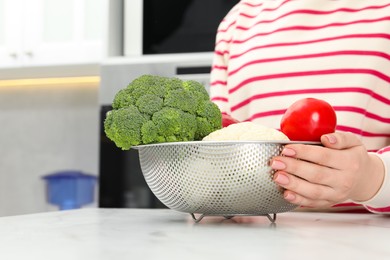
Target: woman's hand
pixel 325 175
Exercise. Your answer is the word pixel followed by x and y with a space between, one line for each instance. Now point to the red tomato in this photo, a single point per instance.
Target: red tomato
pixel 308 119
pixel 228 120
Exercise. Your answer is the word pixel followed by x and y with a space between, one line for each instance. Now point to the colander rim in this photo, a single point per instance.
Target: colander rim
pixel 226 142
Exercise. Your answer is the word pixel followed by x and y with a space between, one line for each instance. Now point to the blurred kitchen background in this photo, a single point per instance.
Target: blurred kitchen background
pixel 61 63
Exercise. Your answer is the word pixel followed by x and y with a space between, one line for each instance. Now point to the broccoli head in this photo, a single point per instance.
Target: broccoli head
pixel 155 109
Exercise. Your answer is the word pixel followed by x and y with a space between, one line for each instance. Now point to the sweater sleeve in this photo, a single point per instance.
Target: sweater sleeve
pixel 380 203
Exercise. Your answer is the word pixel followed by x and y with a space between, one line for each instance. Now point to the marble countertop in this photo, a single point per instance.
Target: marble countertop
pixel 118 234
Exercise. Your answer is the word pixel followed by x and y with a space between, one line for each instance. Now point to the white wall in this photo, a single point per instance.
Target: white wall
pixel 44 129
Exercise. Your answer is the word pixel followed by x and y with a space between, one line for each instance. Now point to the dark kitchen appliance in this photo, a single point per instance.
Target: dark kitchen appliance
pixel 172 26
pixel 122 184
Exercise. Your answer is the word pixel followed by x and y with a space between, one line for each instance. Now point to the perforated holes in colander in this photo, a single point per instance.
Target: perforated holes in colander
pixel 214 179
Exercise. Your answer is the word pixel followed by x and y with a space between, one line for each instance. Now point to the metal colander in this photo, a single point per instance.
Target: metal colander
pixel 226 178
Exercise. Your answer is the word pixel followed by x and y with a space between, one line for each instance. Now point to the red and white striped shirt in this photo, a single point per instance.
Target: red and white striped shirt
pixel 270 53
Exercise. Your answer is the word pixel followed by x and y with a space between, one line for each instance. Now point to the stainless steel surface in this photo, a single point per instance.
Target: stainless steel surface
pixel 215 178
pixel 33 72
pixel 116 73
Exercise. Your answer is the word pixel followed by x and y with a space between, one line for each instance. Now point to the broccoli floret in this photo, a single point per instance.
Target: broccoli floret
pixel 197 89
pixel 146 84
pixel 175 125
pixel 149 133
pixel 123 99
pixel 208 118
pixel 149 104
pixel 181 99
pixel 155 109
pixel 123 126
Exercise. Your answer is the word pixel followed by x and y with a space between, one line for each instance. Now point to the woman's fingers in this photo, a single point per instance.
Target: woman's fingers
pixel 306 202
pixel 317 176
pixel 340 140
pixel 311 172
pixel 312 153
pixel 302 192
pixel 336 157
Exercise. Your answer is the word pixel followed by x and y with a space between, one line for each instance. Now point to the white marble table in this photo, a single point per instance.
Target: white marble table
pixel 117 234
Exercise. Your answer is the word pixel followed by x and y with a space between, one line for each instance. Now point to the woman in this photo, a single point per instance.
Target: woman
pixel 271 53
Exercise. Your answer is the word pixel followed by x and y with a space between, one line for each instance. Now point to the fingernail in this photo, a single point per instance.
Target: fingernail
pixel 277 165
pixel 331 138
pixel 289 196
pixel 281 179
pixel 288 152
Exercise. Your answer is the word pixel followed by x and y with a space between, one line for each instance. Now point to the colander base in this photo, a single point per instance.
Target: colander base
pixel 271 217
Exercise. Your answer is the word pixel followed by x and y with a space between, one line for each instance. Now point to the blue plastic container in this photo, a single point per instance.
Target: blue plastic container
pixel 70 189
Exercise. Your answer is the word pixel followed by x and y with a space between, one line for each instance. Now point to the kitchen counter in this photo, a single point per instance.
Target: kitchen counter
pixel 117 234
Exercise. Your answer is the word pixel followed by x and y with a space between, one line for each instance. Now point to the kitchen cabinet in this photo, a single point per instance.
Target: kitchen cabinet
pixel 9 30
pixel 50 32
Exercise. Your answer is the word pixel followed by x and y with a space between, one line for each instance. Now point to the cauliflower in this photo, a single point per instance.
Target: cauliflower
pixel 246 131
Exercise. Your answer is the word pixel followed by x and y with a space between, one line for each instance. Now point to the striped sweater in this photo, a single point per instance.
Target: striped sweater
pixel 270 53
